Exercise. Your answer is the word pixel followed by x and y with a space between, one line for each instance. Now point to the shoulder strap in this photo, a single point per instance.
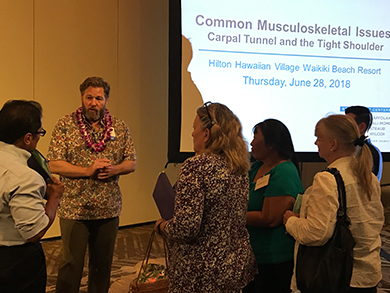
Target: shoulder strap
pixel 342 211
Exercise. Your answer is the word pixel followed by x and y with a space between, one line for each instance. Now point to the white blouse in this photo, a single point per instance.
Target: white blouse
pixel 318 217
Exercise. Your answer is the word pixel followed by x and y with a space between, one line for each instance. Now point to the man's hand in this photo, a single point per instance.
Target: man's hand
pixel 106 172
pixel 109 170
pixel 98 166
pixel 55 190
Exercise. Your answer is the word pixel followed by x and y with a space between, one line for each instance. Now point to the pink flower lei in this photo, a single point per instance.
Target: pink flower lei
pixel 99 146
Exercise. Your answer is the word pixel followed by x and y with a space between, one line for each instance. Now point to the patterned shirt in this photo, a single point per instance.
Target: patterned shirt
pixel 90 198
pixel 209 244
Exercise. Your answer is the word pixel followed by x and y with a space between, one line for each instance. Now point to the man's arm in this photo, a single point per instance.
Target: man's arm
pixel 69 170
pixel 54 192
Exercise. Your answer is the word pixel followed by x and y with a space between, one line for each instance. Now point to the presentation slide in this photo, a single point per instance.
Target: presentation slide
pixel 295 61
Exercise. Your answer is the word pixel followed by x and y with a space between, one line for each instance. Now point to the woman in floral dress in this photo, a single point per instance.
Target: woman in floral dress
pixel 209 244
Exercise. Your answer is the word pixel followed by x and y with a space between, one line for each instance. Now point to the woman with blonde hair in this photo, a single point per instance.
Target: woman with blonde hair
pixel 341 145
pixel 209 249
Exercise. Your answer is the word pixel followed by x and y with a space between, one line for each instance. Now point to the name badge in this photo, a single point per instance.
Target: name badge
pixel 261 182
pixel 112 134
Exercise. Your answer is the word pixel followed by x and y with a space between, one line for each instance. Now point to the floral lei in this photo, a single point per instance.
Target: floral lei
pixel 99 146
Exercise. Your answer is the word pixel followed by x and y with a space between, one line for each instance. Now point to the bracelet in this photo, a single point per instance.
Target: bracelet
pixel 158 228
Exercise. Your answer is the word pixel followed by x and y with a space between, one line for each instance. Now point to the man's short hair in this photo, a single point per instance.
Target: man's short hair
pixel 95 81
pixel 19 117
pixel 362 114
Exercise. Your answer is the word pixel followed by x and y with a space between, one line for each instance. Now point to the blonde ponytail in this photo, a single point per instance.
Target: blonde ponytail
pixel 363 170
pixel 344 129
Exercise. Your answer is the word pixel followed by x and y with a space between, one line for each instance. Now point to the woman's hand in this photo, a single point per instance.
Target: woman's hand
pixel 287 215
pixel 159 226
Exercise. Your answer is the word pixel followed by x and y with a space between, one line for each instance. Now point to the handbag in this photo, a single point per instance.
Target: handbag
pixel 158 286
pixel 328 268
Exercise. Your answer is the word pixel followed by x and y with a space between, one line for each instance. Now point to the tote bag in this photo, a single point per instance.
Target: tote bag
pixel 328 268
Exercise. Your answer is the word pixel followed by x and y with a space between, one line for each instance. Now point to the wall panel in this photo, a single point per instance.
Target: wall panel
pixel 16 50
pixel 142 96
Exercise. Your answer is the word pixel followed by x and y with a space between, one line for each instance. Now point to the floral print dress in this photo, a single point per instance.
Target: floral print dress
pixel 209 249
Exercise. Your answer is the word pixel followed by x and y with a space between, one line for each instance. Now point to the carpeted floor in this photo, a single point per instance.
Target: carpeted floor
pixel 132 242
pixel 130 249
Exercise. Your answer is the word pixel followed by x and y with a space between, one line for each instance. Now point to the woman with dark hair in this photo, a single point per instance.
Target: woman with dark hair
pixel 274 184
pixel 209 249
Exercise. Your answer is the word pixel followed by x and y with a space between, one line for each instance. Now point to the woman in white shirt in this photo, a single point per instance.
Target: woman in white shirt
pixel 340 144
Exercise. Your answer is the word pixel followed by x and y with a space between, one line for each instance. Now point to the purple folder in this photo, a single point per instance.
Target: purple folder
pixel 164 196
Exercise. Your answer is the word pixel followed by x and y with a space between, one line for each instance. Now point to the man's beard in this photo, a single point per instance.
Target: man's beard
pixel 93 115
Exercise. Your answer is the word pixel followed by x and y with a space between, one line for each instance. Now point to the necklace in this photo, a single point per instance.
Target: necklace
pixel 95 146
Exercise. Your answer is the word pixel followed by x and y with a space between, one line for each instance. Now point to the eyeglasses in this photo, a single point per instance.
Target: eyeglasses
pixel 41 132
pixel 212 122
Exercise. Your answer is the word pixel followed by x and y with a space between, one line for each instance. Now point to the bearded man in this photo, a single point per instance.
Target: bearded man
pixel 89 149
